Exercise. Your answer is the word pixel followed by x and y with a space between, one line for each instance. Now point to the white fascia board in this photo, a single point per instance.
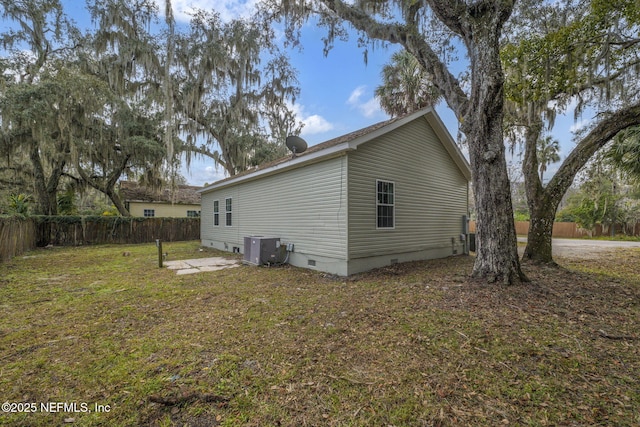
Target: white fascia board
pixel 293 163
pixel 430 115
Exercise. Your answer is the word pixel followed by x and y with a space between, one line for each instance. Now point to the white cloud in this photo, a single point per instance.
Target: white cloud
pixel 213 173
pixel 368 108
pixel 565 106
pixel 313 123
pixel 354 98
pixel 579 125
pixel 201 170
pixel 228 9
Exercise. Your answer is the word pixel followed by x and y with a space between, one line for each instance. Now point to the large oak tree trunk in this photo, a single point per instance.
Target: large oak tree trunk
pixel 542 207
pixel 106 185
pixel 544 201
pixel 46 188
pixel 497 248
pixel 539 248
pixel 479 24
pixel 496 252
pixel 44 205
pixel 117 201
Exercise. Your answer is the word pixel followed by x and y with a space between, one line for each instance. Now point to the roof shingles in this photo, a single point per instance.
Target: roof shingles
pixel 316 148
pixel 183 194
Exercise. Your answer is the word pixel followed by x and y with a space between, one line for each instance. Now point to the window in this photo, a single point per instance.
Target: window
pixel 228 211
pixel 193 214
pixel 149 213
pixel 216 212
pixel 385 204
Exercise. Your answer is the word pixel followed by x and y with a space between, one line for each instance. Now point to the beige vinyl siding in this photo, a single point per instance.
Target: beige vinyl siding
pixel 162 210
pixel 207 230
pixel 430 193
pixel 305 206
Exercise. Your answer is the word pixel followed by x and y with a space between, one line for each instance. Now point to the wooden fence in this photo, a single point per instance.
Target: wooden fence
pixel 571 229
pixel 19 235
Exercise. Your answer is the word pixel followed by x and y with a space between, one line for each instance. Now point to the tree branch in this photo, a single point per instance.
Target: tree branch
pixel 596 139
pixel 411 39
pixel 534 188
pixel 449 12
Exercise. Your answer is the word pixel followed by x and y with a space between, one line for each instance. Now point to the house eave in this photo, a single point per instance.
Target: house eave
pixel 160 202
pixel 429 114
pixel 294 163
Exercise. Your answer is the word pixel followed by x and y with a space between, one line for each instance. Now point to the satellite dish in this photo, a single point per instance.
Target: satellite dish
pixel 296 144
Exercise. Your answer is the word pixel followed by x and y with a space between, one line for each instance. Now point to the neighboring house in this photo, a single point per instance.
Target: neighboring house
pixel 393 192
pixel 184 201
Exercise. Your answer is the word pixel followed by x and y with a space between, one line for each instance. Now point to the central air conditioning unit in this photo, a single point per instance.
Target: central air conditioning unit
pixel 259 250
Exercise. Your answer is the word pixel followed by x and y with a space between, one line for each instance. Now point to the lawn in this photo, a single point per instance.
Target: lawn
pixel 100 335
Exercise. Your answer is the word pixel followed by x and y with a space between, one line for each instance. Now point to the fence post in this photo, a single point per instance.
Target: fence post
pixel 159 245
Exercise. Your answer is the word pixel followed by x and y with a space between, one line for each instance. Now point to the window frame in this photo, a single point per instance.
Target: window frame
pixel 228 212
pixel 380 204
pixel 216 213
pixel 149 213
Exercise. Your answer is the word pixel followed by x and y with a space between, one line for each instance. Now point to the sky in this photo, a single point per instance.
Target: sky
pixel 337 90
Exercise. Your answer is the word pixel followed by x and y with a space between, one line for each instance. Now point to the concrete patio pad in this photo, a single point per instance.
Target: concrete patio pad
pixel 191 266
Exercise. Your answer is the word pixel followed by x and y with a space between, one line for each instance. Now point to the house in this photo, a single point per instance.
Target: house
pixel 393 192
pixel 183 201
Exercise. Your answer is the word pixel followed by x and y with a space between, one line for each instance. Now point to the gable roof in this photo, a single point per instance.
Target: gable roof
pixel 183 194
pixel 350 141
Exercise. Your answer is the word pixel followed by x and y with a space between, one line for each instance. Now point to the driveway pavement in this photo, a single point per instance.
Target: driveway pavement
pixel 583 247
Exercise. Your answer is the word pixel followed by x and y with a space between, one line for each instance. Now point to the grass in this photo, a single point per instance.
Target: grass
pixel 411 345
